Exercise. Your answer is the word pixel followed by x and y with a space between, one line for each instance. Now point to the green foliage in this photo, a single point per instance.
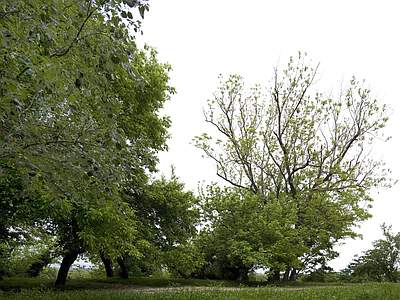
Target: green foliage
pixel 79 117
pixel 184 260
pixel 166 219
pixel 382 262
pixel 306 151
pixel 165 211
pixel 4 253
pixel 80 274
pixel 49 273
pixel 241 233
pixel 29 257
pixel 19 207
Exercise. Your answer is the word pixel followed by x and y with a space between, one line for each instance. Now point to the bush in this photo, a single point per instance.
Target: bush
pixel 49 273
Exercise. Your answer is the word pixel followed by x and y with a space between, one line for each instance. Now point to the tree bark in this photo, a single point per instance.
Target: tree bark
pixel 66 263
pixel 108 265
pixel 276 276
pixel 182 274
pixel 287 272
pixel 124 270
pixel 293 275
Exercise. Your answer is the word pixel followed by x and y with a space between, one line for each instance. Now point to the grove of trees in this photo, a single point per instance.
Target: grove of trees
pixel 80 130
pixel 80 124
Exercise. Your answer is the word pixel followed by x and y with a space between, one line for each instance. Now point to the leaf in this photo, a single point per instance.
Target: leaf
pixel 114 59
pixel 78 83
pixel 32 173
pixel 132 3
pixel 55 21
pixel 141 11
pixel 24 60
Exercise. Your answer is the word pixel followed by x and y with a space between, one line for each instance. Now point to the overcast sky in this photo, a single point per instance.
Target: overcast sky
pixel 202 39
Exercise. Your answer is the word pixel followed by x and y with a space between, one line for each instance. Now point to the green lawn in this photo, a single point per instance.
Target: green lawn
pixel 198 289
pixel 354 292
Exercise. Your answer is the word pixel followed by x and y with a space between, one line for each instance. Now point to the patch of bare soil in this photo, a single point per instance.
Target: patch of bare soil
pixel 306 287
pixel 150 289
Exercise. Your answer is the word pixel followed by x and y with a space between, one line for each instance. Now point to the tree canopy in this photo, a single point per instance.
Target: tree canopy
pixel 79 113
pixel 305 149
pixel 382 262
pixel 241 234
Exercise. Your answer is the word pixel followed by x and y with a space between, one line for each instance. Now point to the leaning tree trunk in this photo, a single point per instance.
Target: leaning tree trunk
pixel 124 270
pixel 66 263
pixel 108 265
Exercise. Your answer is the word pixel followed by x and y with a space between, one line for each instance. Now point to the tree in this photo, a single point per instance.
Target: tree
pixel 303 150
pixel 166 217
pixel 166 211
pixel 383 261
pixel 79 117
pixel 241 234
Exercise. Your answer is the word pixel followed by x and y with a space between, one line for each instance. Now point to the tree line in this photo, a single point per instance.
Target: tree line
pixel 80 133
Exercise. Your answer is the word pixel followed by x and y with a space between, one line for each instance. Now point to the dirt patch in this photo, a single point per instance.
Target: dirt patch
pixel 150 289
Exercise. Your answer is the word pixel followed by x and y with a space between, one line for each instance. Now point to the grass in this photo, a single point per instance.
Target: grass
pixel 29 283
pixel 175 282
pixel 354 292
pixel 35 289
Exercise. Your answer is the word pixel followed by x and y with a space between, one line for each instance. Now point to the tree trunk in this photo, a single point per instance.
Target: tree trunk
pixel 182 274
pixel 287 272
pixel 108 265
pixel 276 276
pixel 293 275
pixel 66 263
pixel 124 270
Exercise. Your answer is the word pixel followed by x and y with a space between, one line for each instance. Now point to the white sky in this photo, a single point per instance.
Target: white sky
pixel 202 39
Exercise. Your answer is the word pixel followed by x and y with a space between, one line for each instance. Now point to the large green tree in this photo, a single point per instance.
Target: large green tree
pixel 240 234
pixel 79 116
pixel 167 216
pixel 302 147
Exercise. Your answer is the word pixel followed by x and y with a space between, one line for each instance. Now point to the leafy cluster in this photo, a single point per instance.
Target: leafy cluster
pixel 241 233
